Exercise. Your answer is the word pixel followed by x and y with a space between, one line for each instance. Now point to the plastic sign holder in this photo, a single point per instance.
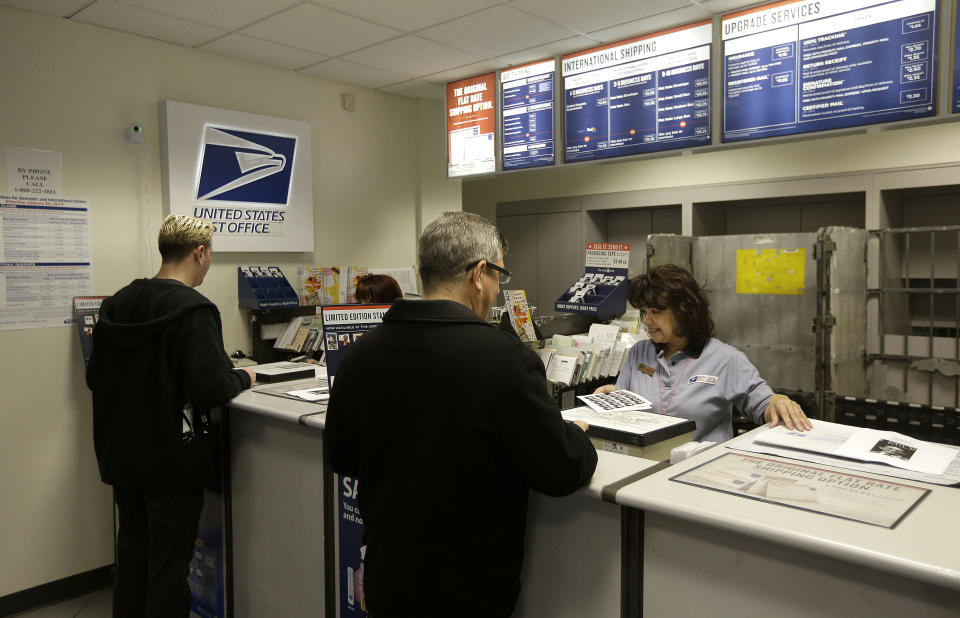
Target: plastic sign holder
pixel 264 287
pixel 602 288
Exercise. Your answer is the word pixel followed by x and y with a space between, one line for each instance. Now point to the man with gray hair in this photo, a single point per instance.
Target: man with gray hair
pixel 158 366
pixel 446 423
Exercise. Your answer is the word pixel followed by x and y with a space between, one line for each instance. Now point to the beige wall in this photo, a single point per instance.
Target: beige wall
pixel 866 150
pixel 73 89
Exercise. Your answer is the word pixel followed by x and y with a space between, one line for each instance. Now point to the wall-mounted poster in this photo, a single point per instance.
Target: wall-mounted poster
pixel 472 126
pixel 642 95
pixel 249 175
pixel 526 103
pixel 811 65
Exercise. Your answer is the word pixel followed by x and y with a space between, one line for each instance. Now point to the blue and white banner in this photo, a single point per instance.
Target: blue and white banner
pixel 813 65
pixel 249 175
pixel 526 101
pixel 644 95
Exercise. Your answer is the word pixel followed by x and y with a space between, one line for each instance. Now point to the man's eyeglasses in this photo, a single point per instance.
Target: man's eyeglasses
pixel 503 275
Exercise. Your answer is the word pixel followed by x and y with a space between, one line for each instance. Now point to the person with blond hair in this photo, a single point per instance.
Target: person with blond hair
pixel 158 366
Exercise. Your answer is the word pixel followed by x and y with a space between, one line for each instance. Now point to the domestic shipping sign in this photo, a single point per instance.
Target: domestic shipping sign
pixel 526 101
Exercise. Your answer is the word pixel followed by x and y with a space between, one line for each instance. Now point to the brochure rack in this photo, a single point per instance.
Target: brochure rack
pixel 602 288
pixel 260 288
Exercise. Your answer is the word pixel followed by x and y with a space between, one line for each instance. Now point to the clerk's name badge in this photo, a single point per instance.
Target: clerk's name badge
pixel 645 369
pixel 703 380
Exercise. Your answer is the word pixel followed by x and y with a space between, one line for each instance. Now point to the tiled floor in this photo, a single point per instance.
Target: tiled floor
pixel 94 605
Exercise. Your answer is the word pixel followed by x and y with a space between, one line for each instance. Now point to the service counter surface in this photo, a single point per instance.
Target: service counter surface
pixel 276 488
pixel 281 408
pixel 726 555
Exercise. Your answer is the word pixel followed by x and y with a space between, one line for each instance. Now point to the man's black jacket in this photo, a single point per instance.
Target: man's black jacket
pixel 446 422
pixel 158 346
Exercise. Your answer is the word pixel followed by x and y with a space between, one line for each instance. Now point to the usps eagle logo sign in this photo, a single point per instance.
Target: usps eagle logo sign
pixel 242 166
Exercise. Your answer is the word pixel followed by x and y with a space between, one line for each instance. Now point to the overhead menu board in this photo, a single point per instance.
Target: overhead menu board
pixel 526 101
pixel 643 95
pixel 471 126
pixel 812 65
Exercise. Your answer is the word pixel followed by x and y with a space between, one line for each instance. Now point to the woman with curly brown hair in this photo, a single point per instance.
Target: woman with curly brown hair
pixel 685 371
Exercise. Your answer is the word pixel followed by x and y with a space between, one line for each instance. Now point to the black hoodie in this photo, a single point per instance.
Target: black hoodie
pixel 157 347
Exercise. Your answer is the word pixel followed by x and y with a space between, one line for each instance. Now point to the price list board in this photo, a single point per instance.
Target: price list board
pixel 802 66
pixel 644 95
pixel 526 101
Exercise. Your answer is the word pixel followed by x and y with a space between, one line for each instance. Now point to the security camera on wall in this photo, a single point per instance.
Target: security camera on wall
pixel 134 133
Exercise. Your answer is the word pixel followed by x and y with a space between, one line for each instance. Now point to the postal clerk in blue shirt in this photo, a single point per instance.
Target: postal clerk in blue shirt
pixel 684 371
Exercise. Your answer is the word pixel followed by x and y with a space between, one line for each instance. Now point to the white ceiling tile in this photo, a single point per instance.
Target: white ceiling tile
pixel 321 30
pixel 228 14
pixel 583 17
pixel 726 6
pixel 542 52
pixel 664 21
pixel 135 20
pixel 356 74
pixel 262 52
pixel 412 55
pixel 496 31
pixel 408 15
pixel 477 68
pixel 417 88
pixel 58 8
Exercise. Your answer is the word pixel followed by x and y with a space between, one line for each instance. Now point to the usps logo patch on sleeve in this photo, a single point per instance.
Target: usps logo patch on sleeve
pixel 704 379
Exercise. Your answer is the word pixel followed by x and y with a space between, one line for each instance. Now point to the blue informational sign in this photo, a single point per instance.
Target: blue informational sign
pixel 345 324
pixel 526 103
pixel 813 65
pixel 956 65
pixel 350 550
pixel 206 577
pixel 644 95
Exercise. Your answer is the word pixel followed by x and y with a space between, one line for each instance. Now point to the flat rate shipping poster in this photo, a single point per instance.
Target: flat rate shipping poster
pixel 526 104
pixel 472 126
pixel 815 65
pixel 643 95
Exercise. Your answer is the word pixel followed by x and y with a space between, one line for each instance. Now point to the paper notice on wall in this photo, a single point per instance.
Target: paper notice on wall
pixel 44 261
pixel 34 173
pixel 771 271
pixel 406 278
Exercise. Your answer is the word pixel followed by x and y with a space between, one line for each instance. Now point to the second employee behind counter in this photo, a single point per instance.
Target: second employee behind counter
pixel 686 372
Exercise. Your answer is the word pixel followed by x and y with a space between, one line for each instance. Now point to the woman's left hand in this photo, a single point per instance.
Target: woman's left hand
pixel 782 409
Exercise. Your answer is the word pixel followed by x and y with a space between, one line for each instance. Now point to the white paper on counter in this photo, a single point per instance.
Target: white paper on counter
pixel 746 442
pixel 886 447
